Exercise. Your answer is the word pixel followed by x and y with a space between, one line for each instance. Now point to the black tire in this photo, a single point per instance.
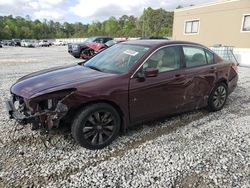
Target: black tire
pixel 96 126
pixel 88 52
pixel 218 97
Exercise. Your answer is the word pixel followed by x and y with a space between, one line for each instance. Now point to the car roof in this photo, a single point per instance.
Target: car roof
pixel 159 42
pixel 101 37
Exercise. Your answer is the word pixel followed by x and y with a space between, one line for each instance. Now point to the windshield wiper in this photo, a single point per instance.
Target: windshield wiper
pixel 93 67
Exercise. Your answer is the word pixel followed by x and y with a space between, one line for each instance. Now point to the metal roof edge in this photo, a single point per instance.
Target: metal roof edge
pixel 205 5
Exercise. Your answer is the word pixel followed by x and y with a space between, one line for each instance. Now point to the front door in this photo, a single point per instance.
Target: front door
pixel 155 97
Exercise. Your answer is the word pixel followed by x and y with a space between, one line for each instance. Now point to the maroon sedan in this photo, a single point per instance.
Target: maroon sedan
pixel 122 86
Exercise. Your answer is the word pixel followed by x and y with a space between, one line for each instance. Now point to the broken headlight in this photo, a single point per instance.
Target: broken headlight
pixel 49 104
pixel 50 101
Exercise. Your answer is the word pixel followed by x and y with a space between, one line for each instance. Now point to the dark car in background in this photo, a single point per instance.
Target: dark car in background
pixel 126 84
pixel 13 42
pixel 16 42
pixel 76 49
pixel 8 43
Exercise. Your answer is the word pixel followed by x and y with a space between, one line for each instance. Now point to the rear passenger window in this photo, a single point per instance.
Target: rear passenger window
pixel 210 57
pixel 99 40
pixel 194 56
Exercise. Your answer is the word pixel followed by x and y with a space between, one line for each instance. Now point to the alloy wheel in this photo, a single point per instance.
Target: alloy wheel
pixel 99 127
pixel 219 96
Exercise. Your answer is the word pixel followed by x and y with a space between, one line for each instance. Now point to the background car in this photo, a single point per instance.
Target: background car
pixel 76 49
pixel 126 84
pixel 44 43
pixel 16 42
pixel 8 43
pixel 59 43
pixel 29 43
pixel 50 42
pixel 94 48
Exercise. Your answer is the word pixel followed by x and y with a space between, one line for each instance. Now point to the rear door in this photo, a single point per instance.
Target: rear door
pixel 200 68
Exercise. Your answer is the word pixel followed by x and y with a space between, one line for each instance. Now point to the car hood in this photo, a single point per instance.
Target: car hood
pixel 55 79
pixel 96 46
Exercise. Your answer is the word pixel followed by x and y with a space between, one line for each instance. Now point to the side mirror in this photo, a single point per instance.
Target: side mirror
pixel 151 72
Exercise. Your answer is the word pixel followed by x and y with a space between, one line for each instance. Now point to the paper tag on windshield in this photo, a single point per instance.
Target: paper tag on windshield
pixel 130 52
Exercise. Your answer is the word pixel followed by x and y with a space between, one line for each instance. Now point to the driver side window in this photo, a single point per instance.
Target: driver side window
pixel 165 59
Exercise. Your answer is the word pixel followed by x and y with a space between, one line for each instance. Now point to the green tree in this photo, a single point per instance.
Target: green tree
pixel 156 22
pixel 111 26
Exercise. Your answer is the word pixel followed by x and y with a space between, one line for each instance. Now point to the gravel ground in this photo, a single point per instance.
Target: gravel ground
pixel 195 149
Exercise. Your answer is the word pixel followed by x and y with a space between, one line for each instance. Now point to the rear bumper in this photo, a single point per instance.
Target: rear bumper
pixel 232 84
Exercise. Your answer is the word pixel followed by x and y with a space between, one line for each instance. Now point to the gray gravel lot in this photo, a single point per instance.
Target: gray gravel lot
pixel 195 149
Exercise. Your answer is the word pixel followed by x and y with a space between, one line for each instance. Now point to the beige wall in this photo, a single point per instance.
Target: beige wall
pixel 220 23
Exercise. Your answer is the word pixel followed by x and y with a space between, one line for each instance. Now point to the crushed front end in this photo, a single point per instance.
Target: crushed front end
pixel 42 112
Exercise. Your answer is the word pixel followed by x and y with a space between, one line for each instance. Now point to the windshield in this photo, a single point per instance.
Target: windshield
pixel 110 43
pixel 91 39
pixel 117 59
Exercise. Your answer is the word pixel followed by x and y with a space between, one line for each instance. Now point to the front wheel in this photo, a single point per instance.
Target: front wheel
pixel 96 126
pixel 218 97
pixel 87 53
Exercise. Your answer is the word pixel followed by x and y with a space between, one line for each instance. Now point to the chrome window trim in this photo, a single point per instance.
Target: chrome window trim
pixel 169 45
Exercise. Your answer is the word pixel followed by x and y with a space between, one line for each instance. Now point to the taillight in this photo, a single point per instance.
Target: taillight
pixel 235 67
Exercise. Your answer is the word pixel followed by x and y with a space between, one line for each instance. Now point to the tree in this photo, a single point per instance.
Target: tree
pixel 111 26
pixel 156 22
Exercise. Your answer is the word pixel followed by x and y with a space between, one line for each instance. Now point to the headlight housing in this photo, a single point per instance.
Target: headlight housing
pixel 49 101
pixel 49 104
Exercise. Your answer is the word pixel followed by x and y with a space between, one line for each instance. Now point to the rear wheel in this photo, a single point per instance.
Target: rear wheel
pixel 218 97
pixel 96 126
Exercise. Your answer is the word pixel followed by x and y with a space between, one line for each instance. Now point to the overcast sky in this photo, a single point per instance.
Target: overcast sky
pixel 86 11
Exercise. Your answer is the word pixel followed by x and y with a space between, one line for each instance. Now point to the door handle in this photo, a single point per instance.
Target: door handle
pixel 213 68
pixel 178 75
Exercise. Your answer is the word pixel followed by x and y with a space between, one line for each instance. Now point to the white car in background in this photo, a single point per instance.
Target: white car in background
pixel 29 43
pixel 44 43
pixel 59 43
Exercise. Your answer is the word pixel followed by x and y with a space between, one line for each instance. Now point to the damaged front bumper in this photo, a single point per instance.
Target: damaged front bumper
pixel 14 114
pixel 47 119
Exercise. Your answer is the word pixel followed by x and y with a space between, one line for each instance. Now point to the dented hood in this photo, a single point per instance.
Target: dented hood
pixel 55 79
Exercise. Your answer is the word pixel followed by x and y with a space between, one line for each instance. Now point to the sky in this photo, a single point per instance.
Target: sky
pixel 86 11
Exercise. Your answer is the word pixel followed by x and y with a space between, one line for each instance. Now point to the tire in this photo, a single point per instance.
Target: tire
pixel 87 52
pixel 218 97
pixel 96 126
